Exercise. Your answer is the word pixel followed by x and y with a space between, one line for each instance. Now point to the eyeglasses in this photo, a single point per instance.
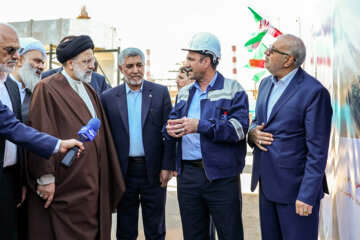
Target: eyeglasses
pixel 11 50
pixel 271 50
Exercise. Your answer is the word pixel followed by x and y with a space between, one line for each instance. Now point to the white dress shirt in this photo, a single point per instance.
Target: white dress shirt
pixel 10 153
pixel 21 89
pixel 78 87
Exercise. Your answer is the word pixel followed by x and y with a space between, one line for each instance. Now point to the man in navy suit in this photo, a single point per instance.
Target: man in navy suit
pixel 136 111
pixel 13 131
pixel 98 81
pixel 290 136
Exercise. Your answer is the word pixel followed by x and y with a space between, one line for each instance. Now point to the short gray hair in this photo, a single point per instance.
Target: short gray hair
pixel 296 47
pixel 4 25
pixel 130 52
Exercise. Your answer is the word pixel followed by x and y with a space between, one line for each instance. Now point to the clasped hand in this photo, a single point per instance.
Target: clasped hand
pixel 179 127
pixel 260 138
pixel 46 192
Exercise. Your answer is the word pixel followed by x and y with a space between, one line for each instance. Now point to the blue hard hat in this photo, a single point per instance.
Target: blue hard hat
pixel 205 42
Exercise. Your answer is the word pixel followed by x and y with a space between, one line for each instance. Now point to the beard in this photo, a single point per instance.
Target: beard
pixel 134 82
pixel 30 75
pixel 4 68
pixel 81 74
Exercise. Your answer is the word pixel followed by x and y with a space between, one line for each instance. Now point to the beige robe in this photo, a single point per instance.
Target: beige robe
pixel 89 190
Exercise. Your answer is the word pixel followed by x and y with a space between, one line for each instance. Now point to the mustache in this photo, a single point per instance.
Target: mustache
pixel 135 75
pixel 11 61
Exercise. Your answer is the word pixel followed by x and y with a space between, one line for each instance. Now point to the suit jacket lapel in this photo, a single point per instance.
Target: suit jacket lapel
pixel 268 90
pixel 146 101
pixel 287 94
pixel 121 102
pixel 14 94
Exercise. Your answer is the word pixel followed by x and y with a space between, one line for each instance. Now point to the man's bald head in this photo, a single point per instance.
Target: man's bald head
pixel 4 27
pixel 9 44
pixel 295 46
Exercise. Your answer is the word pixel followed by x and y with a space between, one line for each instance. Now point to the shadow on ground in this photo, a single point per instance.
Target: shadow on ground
pixel 173 224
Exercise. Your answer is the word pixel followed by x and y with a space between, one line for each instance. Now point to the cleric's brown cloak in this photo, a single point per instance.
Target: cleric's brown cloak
pixel 89 190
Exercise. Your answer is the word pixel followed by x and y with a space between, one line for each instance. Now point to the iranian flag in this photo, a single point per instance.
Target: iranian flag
pixel 258 63
pixel 255 41
pixel 265 25
pixel 274 31
pixel 258 76
pixel 258 60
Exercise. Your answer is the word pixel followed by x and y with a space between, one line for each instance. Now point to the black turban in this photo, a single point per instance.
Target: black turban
pixel 71 48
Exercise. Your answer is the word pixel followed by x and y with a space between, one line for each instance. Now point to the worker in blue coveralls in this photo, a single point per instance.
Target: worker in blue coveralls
pixel 210 120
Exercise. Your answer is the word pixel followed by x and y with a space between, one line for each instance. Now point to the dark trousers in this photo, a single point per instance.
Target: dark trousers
pixel 8 184
pixel 198 198
pixel 152 198
pixel 22 221
pixel 279 221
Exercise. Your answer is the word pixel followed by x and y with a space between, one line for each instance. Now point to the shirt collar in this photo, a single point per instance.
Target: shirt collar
pixel 129 90
pixel 285 80
pixel 18 83
pixel 211 84
pixel 70 80
pixel 3 76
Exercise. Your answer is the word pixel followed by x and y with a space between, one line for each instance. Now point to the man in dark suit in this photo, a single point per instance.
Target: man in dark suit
pixel 98 81
pixel 12 168
pixel 12 130
pixel 136 111
pixel 290 136
pixel 26 75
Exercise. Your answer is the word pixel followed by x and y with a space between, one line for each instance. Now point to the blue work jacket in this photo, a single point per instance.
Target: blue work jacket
pixel 223 124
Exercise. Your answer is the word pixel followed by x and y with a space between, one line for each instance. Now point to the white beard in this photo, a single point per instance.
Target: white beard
pixel 29 76
pixel 132 82
pixel 81 75
pixel 4 68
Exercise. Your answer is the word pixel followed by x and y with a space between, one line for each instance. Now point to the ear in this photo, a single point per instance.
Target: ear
pixel 207 62
pixel 21 61
pixel 121 69
pixel 289 61
pixel 70 64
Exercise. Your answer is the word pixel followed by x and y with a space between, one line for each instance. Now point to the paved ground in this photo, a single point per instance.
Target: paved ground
pixel 250 210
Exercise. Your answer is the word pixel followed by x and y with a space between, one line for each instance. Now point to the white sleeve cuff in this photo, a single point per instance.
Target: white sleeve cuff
pixel 46 179
pixel 56 150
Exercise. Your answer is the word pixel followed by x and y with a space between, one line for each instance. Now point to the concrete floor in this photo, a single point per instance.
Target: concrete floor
pixel 250 212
